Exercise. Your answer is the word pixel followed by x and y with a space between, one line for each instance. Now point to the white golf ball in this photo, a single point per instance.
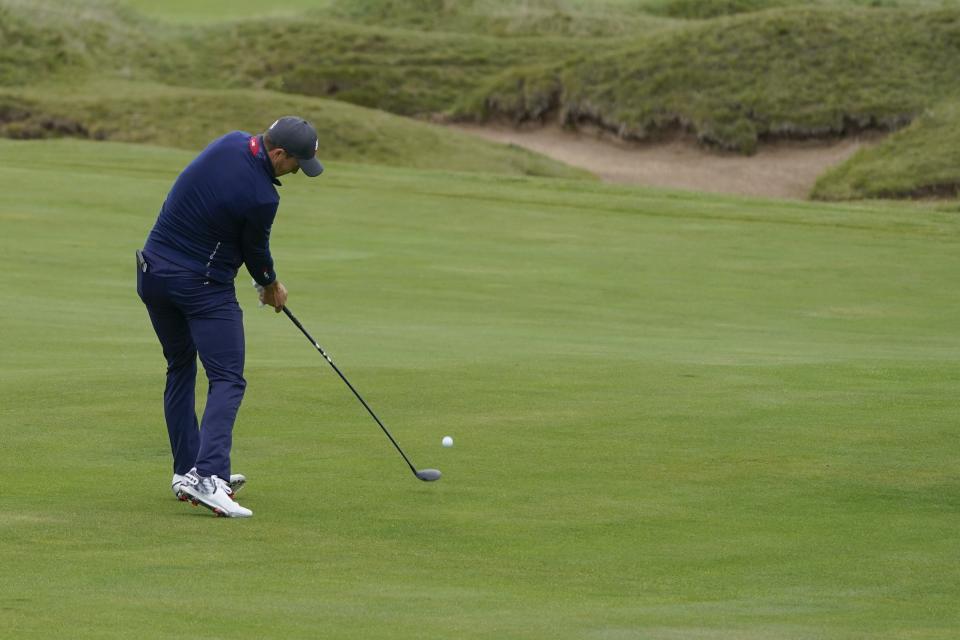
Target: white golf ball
pixel 447 441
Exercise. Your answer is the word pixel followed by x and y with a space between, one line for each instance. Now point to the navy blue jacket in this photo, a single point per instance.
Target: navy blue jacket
pixel 219 212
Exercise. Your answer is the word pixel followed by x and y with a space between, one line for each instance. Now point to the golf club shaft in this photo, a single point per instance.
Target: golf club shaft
pixel 344 378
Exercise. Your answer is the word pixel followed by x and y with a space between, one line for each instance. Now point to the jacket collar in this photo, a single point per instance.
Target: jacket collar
pixel 259 150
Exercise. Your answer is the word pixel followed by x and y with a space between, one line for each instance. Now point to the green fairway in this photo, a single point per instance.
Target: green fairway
pixel 675 416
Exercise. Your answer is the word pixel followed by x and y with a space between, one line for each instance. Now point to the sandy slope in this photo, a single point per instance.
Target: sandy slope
pixel 783 169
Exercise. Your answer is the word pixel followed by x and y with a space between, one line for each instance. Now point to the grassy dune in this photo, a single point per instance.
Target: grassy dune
pixel 921 160
pixel 155 114
pixel 749 71
pixel 591 18
pixel 406 72
pixel 700 9
pixel 191 11
pixel 501 17
pixel 674 416
pixel 89 70
pixel 735 81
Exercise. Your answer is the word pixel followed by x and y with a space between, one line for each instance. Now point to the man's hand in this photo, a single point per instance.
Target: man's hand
pixel 275 295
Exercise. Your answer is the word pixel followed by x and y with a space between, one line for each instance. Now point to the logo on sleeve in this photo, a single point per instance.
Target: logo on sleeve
pixel 254 145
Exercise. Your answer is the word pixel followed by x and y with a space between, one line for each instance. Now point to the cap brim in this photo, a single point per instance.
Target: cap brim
pixel 311 166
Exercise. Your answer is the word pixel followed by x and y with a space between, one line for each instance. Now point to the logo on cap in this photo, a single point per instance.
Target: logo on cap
pixel 294 135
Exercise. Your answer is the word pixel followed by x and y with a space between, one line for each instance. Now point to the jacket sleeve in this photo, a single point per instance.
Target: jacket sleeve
pixel 255 243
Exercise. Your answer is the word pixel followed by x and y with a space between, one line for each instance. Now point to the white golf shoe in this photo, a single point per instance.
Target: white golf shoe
pixel 213 493
pixel 237 482
pixel 175 486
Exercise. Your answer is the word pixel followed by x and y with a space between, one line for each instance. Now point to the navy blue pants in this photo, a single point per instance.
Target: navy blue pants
pixel 191 316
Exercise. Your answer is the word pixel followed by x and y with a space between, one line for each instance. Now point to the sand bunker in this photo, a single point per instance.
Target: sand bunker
pixel 783 169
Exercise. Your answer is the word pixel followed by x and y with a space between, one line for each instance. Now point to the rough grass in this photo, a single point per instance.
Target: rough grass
pixel 154 114
pixel 811 69
pixel 192 11
pixel 735 81
pixel 732 81
pixel 41 39
pixel 922 160
pixel 499 17
pixel 597 18
pixel 703 9
pixel 401 71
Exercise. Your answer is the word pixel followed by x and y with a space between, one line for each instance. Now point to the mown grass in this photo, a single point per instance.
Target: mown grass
pixel 675 416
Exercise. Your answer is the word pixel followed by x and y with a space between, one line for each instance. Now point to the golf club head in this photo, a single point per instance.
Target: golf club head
pixel 428 475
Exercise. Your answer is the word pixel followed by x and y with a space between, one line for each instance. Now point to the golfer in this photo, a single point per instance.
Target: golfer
pixel 217 215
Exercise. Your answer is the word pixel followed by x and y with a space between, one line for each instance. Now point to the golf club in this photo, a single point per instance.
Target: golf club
pixel 427 475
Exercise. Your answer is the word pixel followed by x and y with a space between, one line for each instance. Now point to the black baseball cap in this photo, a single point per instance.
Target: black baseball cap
pixel 297 137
